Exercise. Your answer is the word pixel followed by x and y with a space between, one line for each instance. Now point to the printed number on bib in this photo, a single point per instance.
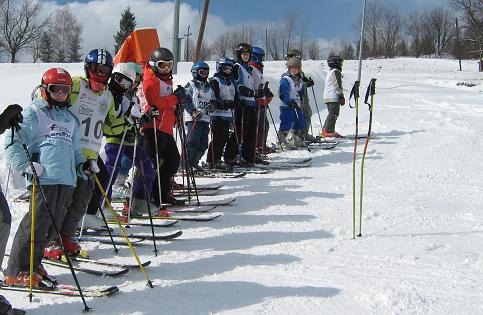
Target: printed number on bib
pixel 97 128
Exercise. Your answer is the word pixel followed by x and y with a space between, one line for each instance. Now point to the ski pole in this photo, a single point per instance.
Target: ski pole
pixel 317 106
pixel 123 232
pixel 51 216
pixel 156 149
pixel 371 90
pixel 32 242
pixel 355 92
pixel 141 164
pixel 188 166
pixel 8 180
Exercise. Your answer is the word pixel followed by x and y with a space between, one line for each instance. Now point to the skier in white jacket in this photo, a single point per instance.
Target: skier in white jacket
pixel 333 95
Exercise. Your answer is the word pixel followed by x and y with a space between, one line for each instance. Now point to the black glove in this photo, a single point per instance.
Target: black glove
pixel 219 105
pixel 11 116
pixel 153 112
pixel 266 91
pixel 244 91
pixel 292 104
pixel 308 81
pixel 260 92
pixel 210 107
pixel 229 105
pixel 180 93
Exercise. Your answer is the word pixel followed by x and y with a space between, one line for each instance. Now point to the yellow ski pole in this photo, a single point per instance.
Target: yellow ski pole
pixel 32 242
pixel 123 232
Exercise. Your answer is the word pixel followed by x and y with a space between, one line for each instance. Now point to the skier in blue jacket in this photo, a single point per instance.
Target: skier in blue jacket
pixel 51 133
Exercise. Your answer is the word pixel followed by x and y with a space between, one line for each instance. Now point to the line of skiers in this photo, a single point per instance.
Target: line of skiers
pixel 64 127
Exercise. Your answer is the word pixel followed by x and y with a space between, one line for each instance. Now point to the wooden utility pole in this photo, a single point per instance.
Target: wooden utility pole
pixel 199 42
pixel 187 44
pixel 175 36
pixel 458 43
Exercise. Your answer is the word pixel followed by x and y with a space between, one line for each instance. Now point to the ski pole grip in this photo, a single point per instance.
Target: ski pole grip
pixel 371 90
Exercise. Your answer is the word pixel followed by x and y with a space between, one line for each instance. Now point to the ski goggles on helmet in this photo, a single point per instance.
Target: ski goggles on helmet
pixel 203 72
pixel 227 69
pixel 166 65
pixel 59 88
pixel 100 69
pixel 124 82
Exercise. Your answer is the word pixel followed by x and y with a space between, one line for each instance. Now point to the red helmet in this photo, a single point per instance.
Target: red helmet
pixel 56 80
pixel 56 76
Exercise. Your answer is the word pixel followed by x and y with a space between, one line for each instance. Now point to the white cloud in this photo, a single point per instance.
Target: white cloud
pixel 100 20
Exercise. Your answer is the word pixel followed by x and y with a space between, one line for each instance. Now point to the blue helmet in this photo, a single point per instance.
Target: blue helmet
pixel 200 70
pixel 257 56
pixel 224 61
pixel 98 57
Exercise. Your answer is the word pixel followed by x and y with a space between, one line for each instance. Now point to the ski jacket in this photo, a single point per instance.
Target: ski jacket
pixel 291 88
pixel 116 122
pixel 200 94
pixel 91 109
pixel 259 82
pixel 154 92
pixel 52 138
pixel 224 90
pixel 333 86
pixel 242 76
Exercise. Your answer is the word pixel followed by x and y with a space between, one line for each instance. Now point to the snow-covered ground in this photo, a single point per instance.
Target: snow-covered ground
pixel 286 247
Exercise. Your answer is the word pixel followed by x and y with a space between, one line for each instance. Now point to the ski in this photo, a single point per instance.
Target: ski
pixel 198 218
pixel 199 187
pixel 291 160
pixel 284 165
pixel 323 146
pixel 204 207
pixel 65 290
pixel 181 193
pixel 159 224
pixel 220 174
pixel 78 267
pixel 105 263
pixel 158 237
pixel 250 170
pixel 103 240
pixel 203 204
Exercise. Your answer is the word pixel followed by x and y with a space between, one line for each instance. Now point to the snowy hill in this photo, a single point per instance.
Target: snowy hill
pixel 286 247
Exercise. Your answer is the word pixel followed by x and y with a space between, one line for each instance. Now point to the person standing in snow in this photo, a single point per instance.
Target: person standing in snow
pixel 292 120
pixel 224 89
pixel 90 101
pixel 305 106
pixel 159 102
pixel 51 133
pixel 333 95
pixel 199 104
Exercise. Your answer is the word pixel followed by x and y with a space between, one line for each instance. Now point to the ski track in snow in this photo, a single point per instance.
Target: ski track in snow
pixel 286 245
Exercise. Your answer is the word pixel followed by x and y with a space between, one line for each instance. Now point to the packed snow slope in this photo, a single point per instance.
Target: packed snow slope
pixel 286 247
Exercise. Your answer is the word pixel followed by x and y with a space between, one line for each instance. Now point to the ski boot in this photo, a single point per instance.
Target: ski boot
pixel 23 280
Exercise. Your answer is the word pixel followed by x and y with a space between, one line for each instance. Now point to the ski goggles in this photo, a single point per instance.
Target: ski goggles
pixel 165 65
pixel 100 69
pixel 137 81
pixel 203 72
pixel 226 69
pixel 59 88
pixel 122 80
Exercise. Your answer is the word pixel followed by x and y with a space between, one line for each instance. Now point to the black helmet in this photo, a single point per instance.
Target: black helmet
pixel 335 62
pixel 241 48
pixel 163 54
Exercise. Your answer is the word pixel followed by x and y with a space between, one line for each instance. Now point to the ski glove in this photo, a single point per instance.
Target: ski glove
pixel 153 112
pixel 11 116
pixel 266 91
pixel 244 91
pixel 260 92
pixel 228 105
pixel 308 81
pixel 196 114
pixel 180 93
pixel 39 170
pixel 293 104
pixel 341 100
pixel 90 167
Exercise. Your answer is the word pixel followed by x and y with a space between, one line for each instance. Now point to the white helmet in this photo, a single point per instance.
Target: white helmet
pixel 124 70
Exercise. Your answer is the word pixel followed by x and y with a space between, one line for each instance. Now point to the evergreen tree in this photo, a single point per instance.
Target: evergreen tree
pixel 46 48
pixel 127 24
pixel 73 53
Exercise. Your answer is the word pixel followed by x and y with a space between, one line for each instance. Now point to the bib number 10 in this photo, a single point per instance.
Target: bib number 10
pixel 97 128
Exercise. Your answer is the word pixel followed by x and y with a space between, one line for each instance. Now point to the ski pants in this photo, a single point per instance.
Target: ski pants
pixel 169 160
pixel 5 223
pixel 77 205
pixel 220 134
pixel 332 116
pixel 263 127
pixel 305 107
pixel 246 131
pixel 57 197
pixel 291 118
pixel 197 140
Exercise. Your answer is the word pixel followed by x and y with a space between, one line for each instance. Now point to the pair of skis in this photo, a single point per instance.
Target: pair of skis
pixel 371 91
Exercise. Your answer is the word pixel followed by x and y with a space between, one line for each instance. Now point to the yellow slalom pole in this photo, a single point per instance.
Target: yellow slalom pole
pixel 32 242
pixel 123 232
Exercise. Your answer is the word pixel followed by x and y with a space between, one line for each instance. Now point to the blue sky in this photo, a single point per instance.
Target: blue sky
pixel 324 18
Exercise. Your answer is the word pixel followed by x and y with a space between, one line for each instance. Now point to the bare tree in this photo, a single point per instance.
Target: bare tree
pixel 472 11
pixel 245 34
pixel 290 21
pixel 313 50
pixel 274 42
pixel 391 25
pixel 441 23
pixel 65 35
pixel 373 23
pixel 20 25
pixel 415 31
pixel 221 45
